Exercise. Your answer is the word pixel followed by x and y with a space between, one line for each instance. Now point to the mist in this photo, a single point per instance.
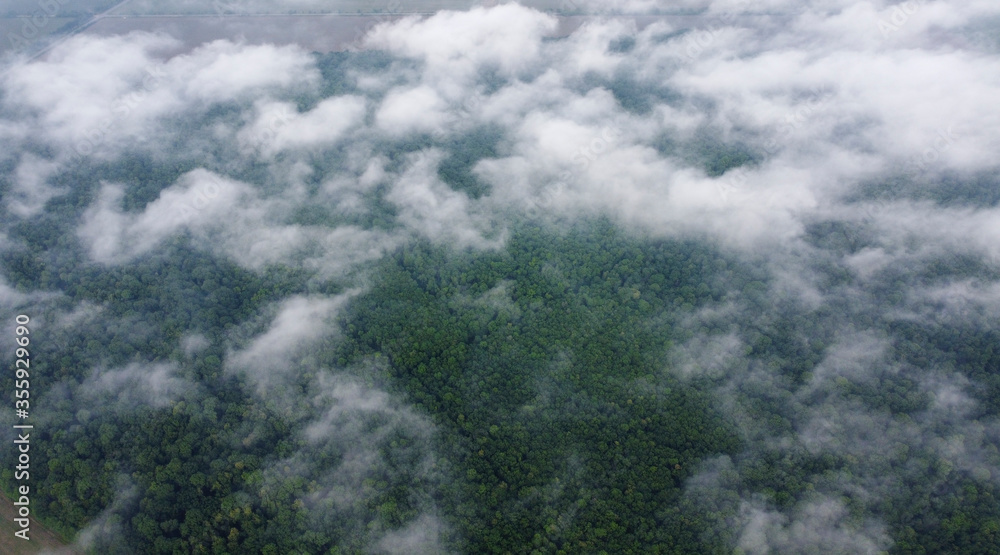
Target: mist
pixel 288 252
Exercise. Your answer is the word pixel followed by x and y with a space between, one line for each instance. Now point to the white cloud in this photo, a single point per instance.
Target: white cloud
pixel 824 101
pixel 278 127
pixel 155 385
pixel 229 218
pixel 346 446
pixel 96 95
pixel 454 45
pixel 193 343
pixel 223 70
pixel 104 225
pixel 31 191
pixel 300 323
pixel 198 202
pixel 420 537
pixel 432 209
pixel 822 526
pixel 415 110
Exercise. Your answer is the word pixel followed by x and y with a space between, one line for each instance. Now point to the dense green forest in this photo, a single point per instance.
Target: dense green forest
pixel 544 367
pixel 576 387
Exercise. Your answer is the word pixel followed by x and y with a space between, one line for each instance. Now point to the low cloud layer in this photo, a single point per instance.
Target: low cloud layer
pixel 853 139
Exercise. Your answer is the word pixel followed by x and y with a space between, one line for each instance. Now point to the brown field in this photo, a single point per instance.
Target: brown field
pixel 28 7
pixel 319 33
pixel 344 7
pixel 13 27
pixel 40 538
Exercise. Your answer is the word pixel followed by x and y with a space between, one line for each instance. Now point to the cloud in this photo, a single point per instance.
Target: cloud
pixel 856 356
pixel 280 127
pixel 415 110
pixel 83 313
pixel 11 297
pixel 191 344
pixel 227 217
pixel 815 111
pixel 358 432
pixel 97 95
pixel 818 526
pixel 299 324
pixel 31 190
pixel 429 207
pixel 105 530
pixel 454 46
pixel 706 355
pixel 152 385
pixel 420 537
pixel 197 203
pixel 811 144
pixel 223 70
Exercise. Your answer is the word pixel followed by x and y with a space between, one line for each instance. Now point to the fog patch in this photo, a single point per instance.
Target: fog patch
pixel 823 526
pixel 155 385
pixel 273 357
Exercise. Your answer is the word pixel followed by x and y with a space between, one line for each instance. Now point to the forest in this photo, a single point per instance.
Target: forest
pixel 564 382
pixel 544 367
